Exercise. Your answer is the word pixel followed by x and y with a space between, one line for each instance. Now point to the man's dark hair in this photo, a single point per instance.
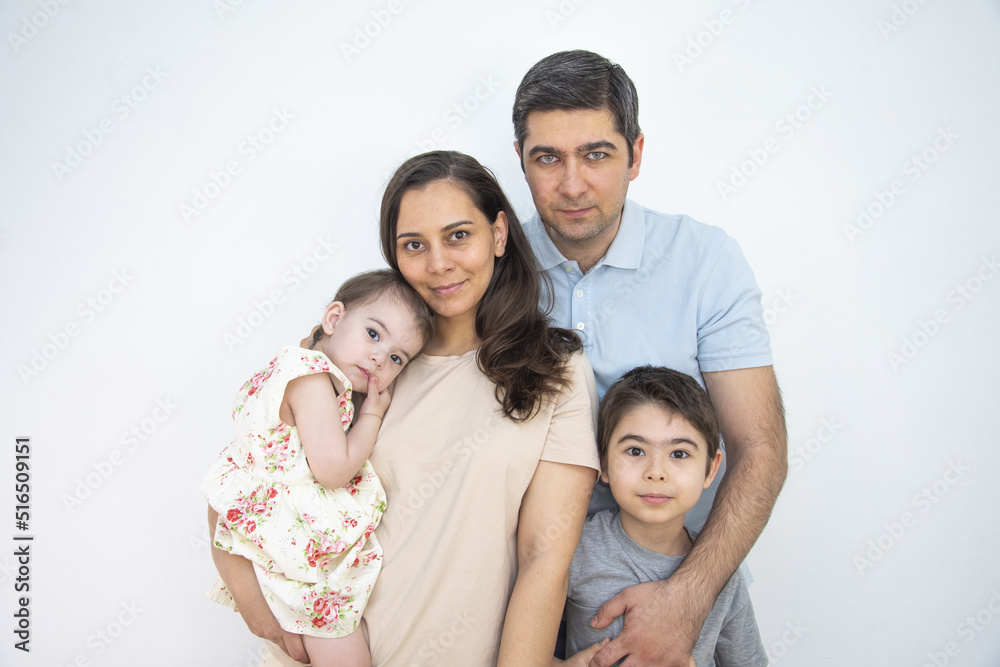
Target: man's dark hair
pixel 571 80
pixel 673 391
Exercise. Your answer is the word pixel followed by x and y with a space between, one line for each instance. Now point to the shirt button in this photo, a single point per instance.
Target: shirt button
pixel 579 325
pixel 569 268
pixel 579 292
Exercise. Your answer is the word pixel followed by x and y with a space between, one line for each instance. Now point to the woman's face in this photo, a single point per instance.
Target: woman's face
pixel 446 247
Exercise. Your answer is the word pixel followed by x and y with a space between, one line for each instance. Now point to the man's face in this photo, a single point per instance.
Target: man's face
pixel 577 167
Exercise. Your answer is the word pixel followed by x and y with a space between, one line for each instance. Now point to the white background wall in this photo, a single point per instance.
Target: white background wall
pixel 855 567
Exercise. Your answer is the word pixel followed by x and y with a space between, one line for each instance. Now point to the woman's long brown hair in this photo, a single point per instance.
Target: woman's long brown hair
pixel 521 353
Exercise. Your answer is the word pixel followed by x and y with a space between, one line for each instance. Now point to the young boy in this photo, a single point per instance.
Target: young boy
pixel 658 437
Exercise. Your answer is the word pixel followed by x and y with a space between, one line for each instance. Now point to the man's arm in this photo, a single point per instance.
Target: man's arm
pixel 663 619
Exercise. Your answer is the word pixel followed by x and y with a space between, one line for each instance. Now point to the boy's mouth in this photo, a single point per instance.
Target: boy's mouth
pixel 655 498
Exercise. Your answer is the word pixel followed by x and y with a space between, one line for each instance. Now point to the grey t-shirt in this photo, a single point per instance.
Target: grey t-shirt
pixel 607 561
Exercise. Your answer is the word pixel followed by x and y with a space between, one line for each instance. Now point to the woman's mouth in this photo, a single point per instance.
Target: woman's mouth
pixel 447 290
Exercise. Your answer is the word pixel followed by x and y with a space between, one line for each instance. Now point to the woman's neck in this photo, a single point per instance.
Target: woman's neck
pixel 453 336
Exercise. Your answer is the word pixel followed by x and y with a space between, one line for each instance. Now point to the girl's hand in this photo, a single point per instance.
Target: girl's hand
pixel 376 402
pixel 581 659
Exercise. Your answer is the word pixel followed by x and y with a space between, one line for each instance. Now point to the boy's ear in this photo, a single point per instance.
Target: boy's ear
pixel 604 476
pixel 713 469
pixel 331 316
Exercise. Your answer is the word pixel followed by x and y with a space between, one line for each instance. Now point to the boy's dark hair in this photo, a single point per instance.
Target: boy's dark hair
pixel 372 285
pixel 675 392
pixel 571 80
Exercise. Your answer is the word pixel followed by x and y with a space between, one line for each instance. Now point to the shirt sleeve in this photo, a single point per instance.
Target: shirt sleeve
pixel 731 330
pixel 572 434
pixel 739 643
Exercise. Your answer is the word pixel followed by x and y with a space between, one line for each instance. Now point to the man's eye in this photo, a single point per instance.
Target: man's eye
pixel 596 155
pixel 547 159
pixel 396 359
pixel 634 451
pixel 373 334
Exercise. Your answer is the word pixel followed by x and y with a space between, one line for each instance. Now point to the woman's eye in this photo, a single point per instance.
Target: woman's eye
pixel 460 235
pixel 373 334
pixel 634 451
pixel 411 245
pixel 396 359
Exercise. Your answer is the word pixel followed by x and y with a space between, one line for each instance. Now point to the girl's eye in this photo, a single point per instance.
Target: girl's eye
pixel 372 334
pixel 634 451
pixel 396 359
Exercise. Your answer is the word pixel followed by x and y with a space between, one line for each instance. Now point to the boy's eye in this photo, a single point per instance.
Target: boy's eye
pixel 396 359
pixel 635 451
pixel 372 334
pixel 679 454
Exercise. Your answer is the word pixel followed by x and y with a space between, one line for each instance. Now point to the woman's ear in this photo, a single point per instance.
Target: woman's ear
pixel 500 234
pixel 331 316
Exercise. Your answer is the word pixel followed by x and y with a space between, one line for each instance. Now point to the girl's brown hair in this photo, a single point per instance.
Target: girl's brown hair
pixel 521 354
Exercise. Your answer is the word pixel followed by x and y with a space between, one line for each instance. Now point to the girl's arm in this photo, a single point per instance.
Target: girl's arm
pixel 241 581
pixel 546 540
pixel 333 456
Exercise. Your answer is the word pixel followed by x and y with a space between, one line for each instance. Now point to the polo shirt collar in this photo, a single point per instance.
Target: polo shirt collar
pixel 626 250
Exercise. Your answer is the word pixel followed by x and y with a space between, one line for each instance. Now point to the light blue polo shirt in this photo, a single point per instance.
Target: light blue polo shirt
pixel 670 292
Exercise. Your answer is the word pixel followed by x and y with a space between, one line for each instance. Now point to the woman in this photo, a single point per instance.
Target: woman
pixel 488 453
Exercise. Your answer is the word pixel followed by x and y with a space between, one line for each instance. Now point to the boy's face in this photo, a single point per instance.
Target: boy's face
pixel 376 338
pixel 657 466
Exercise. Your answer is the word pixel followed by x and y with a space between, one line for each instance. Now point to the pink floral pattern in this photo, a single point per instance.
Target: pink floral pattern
pixel 314 549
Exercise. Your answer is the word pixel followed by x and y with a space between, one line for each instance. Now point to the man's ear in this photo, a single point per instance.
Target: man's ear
pixel 637 145
pixel 331 316
pixel 520 159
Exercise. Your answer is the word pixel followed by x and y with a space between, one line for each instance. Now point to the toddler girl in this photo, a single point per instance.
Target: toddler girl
pixel 295 494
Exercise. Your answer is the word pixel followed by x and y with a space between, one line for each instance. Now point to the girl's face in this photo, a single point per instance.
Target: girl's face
pixel 370 339
pixel 446 248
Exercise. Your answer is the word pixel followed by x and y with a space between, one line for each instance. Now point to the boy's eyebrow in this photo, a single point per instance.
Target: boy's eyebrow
pixel 674 441
pixel 382 324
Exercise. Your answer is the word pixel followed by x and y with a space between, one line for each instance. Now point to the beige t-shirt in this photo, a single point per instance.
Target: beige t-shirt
pixel 455 471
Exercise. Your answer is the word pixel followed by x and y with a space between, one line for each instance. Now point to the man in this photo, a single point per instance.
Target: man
pixel 646 288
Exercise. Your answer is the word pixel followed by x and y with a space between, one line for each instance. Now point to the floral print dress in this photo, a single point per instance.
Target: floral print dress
pixel 314 549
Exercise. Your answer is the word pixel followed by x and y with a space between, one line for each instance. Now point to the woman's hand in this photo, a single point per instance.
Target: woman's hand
pixel 581 659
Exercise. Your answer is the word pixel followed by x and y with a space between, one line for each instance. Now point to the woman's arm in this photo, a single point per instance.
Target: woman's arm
pixel 333 456
pixel 241 581
pixel 549 525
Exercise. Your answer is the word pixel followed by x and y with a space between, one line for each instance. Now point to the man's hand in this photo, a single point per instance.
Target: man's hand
pixel 662 622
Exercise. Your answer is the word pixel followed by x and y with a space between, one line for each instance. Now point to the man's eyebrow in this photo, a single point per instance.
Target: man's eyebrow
pixel 585 148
